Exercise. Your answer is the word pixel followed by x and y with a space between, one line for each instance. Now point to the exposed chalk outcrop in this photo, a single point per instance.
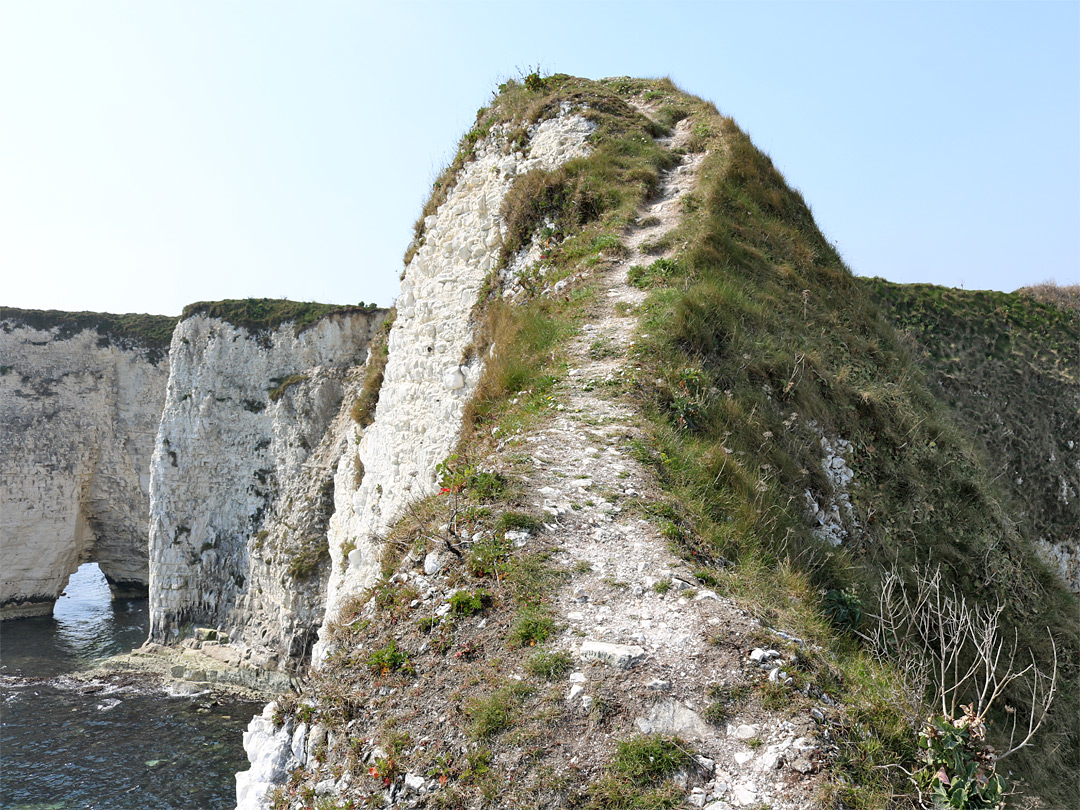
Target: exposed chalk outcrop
pixel 241 480
pixel 79 409
pixel 426 384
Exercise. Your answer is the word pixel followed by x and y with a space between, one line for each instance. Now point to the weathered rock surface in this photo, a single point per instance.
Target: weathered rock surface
pixel 426 384
pixel 79 409
pixel 242 480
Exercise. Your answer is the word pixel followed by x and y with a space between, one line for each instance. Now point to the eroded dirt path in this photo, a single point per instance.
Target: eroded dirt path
pixel 648 638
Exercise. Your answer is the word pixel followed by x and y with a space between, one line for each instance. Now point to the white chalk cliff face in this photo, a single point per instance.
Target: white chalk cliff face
pixel 78 415
pixel 426 386
pixel 241 480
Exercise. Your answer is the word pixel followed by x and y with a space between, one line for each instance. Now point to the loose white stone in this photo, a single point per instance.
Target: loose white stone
pixel 433 563
pixel 621 656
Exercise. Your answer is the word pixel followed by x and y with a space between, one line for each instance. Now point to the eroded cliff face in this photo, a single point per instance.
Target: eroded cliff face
pixel 79 410
pixel 242 484
pixel 426 383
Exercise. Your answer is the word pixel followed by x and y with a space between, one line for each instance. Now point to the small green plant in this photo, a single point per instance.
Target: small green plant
pixel 466 603
pixel 533 626
pixel 477 766
pixel 715 713
pixel 388 660
pixel 723 699
pixel 428 624
pixel 843 608
pixel 534 82
pixel 283 385
pixel 485 486
pixel 392 597
pixel 655 274
pixel 603 348
pixel 518 522
pixel 958 770
pixel 550 665
pixel 640 775
pixel 662 587
pixel 498 711
pixel 487 557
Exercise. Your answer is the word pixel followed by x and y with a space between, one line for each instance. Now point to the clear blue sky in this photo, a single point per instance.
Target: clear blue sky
pixel 157 153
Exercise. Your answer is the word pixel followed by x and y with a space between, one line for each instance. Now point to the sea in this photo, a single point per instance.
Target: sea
pixel 112 742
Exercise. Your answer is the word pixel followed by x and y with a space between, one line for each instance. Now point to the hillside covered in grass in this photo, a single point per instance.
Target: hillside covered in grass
pixel 1007 365
pixel 763 437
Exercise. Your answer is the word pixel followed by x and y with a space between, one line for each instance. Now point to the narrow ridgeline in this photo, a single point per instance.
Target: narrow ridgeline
pixel 635 490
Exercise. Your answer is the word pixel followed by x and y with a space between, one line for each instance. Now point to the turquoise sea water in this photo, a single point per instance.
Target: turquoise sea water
pixel 115 743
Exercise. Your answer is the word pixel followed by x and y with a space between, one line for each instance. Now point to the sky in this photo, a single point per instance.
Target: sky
pixel 153 154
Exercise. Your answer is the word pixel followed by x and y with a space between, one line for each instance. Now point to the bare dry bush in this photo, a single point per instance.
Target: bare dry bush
pixel 956 651
pixel 1064 296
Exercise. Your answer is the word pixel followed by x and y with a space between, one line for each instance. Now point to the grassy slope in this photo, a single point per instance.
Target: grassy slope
pixel 763 338
pixel 1008 367
pixel 755 342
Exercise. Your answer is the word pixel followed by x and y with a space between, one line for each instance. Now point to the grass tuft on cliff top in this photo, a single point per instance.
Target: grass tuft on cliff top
pixel 131 329
pixel 267 314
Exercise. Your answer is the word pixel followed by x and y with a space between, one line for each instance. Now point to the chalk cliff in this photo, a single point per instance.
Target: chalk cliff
pixel 80 399
pixel 241 480
pixel 427 382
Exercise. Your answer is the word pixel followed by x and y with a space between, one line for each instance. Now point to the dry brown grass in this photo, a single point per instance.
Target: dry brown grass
pixel 1065 296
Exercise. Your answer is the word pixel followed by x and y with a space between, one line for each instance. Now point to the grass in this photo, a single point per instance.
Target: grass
pixel 1007 368
pixel 754 343
pixel 283 385
pixel 766 343
pixel 532 626
pixel 151 332
pixel 260 315
pixel 1063 296
pixel 550 665
pixel 498 711
pixel 518 522
pixel 307 559
pixel 640 775
pixel 466 603
pixel 389 660
pixel 363 408
pixel 656 273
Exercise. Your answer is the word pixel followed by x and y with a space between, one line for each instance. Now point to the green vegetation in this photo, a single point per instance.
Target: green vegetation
pixel 389 660
pixel 308 557
pixel 466 603
pixel 765 345
pixel 498 711
pixel 260 315
pixel 640 775
pixel 284 384
pixel 656 273
pixel 1007 367
pixel 518 522
pixel 153 332
pixel 363 409
pixel 1063 296
pixel 532 626
pixel 550 665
